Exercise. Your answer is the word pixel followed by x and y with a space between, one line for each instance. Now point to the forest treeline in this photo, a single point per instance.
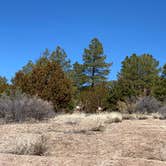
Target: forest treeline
pixel 53 78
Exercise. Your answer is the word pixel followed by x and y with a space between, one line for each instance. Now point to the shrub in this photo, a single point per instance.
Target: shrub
pixel 91 123
pixel 19 107
pixel 25 144
pixel 47 81
pixel 157 116
pixel 134 116
pixel 93 98
pixel 127 106
pixel 147 105
pixel 3 84
pixel 129 117
pixel 162 112
pixel 29 146
pixel 114 117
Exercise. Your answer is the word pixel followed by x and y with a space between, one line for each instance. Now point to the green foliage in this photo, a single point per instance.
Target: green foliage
pixel 164 71
pixel 159 91
pixel 136 78
pixel 94 97
pixel 95 68
pixel 54 79
pixel 120 90
pixel 28 67
pixel 47 81
pixel 3 84
pixel 141 72
pixel 60 57
pixel 79 79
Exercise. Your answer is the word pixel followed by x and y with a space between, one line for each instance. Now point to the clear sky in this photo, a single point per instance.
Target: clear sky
pixel 124 27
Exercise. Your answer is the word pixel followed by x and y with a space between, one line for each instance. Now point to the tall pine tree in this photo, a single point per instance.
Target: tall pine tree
pixel 95 68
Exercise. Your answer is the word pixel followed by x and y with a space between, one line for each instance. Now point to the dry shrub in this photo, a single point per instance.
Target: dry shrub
pixel 141 116
pixel 142 105
pixel 126 106
pixel 147 105
pixel 91 123
pixel 122 106
pixel 96 122
pixel 88 122
pixel 157 116
pixel 114 117
pixel 134 116
pixel 25 144
pixel 81 118
pixel 162 112
pixel 20 107
pixel 129 116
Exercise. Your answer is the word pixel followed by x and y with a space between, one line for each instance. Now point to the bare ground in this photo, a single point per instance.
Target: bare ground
pixel 130 143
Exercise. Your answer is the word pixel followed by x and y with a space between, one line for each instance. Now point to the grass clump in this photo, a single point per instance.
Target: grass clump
pixel 27 144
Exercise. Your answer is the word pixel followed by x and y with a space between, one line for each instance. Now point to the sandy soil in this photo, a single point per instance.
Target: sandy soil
pixel 130 143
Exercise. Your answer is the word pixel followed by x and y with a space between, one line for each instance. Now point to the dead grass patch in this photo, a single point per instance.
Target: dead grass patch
pixel 135 116
pixel 24 144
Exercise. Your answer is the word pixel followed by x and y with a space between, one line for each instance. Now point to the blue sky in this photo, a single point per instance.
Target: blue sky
pixel 124 27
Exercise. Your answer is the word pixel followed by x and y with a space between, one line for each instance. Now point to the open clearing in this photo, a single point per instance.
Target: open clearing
pixel 130 143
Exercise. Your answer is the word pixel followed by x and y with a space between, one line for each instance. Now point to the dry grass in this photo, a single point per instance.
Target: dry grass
pixel 85 143
pixel 77 118
pixel 135 116
pixel 157 116
pixel 88 122
pixel 70 118
pixel 24 144
pixel 91 123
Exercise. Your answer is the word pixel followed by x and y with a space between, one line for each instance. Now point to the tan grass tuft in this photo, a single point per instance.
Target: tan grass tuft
pixel 24 144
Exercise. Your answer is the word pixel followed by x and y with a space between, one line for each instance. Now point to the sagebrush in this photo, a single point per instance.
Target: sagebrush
pixel 21 107
pixel 147 104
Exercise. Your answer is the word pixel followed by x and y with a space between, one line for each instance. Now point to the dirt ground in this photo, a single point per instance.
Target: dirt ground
pixel 129 143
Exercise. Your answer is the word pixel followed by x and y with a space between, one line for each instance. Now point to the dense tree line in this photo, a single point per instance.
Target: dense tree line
pixel 53 78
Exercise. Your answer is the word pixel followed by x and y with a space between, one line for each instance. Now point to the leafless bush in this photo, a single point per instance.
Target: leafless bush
pixel 147 105
pixel 162 112
pixel 21 107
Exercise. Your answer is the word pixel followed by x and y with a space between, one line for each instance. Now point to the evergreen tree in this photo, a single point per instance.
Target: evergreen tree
pixel 94 67
pixel 164 71
pixel 79 79
pixel 159 90
pixel 47 81
pixel 3 84
pixel 44 58
pixel 140 71
pixel 28 67
pixel 60 57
